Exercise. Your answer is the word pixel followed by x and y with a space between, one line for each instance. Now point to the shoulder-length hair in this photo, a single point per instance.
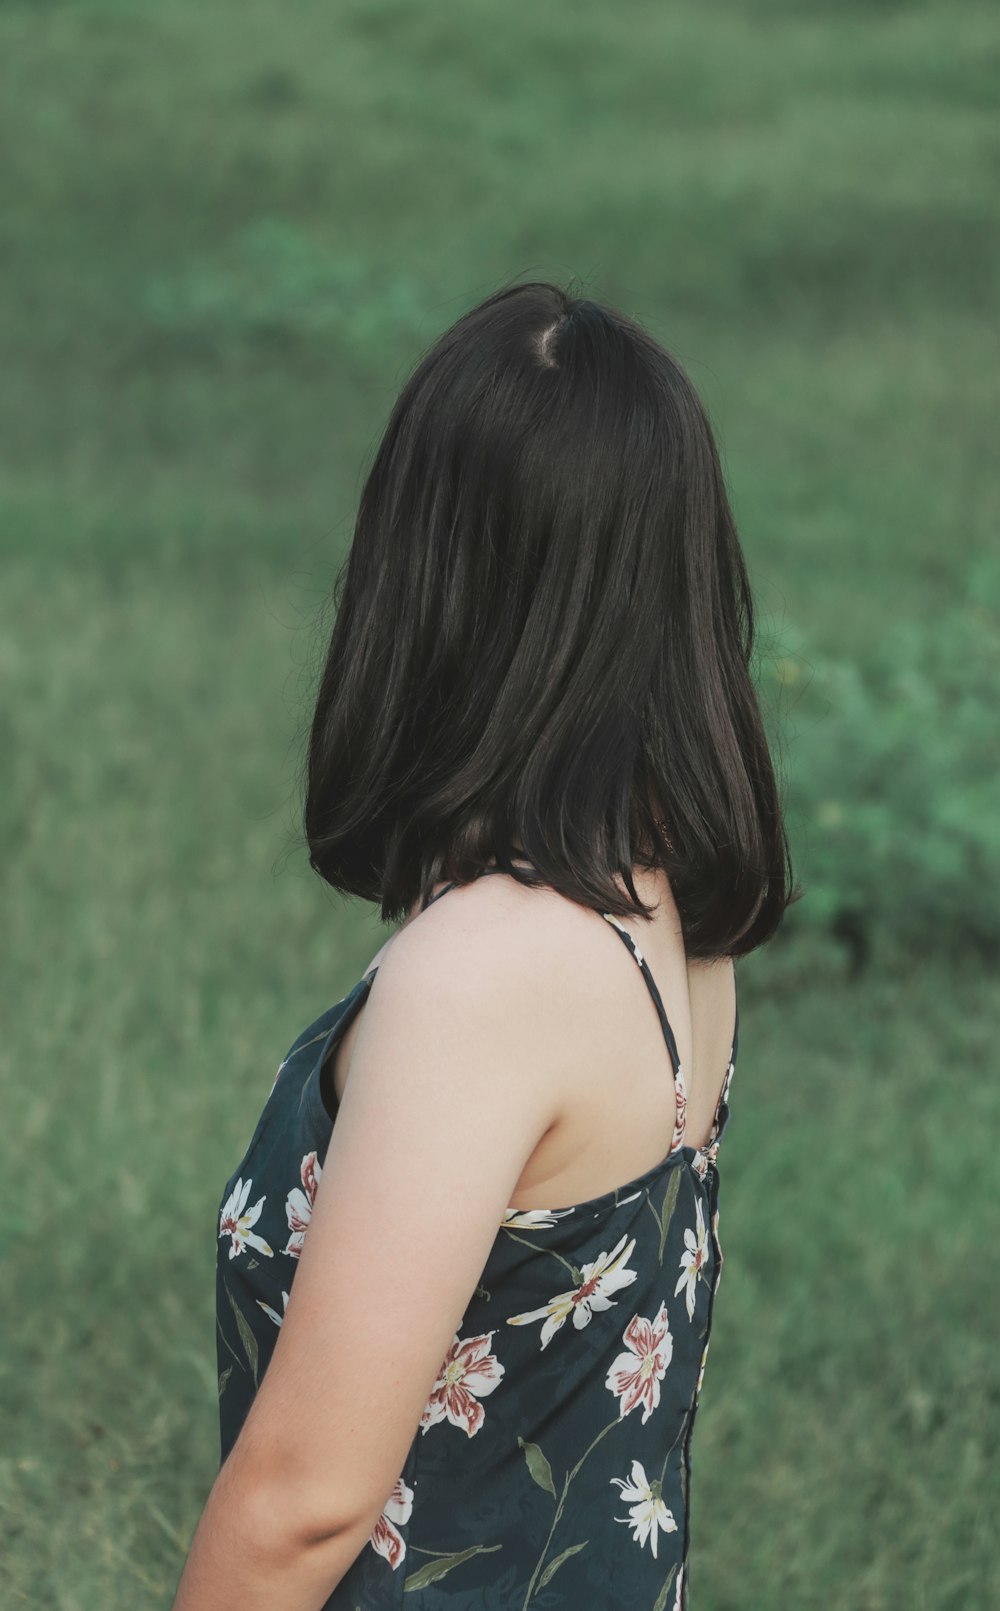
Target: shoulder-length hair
pixel 543 635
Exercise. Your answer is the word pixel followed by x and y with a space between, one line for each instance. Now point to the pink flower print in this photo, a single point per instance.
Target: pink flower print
pixel 386 1539
pixel 236 1219
pixel 299 1205
pixel 693 1259
pixel 647 1511
pixel 469 1373
pixel 680 1098
pixel 607 1274
pixel 703 1158
pixel 635 1375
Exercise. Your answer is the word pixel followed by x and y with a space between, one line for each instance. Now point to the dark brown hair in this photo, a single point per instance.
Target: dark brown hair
pixel 543 637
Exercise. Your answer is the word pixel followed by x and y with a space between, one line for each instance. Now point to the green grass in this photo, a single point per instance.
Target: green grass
pixel 227 231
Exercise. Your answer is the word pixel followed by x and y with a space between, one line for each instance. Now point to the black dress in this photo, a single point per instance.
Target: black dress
pixel 551 1465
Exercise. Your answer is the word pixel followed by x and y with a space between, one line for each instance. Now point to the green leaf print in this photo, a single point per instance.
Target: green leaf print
pixel 228 1345
pixel 560 1502
pixel 661 1598
pixel 440 1568
pixel 667 1211
pixel 553 1566
pixel 575 1274
pixel 538 1466
pixel 223 1379
pixel 247 1337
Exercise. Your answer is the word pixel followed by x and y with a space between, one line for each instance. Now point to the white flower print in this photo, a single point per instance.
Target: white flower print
pixel 605 1275
pixel 677 1596
pixel 635 1376
pixel 386 1538
pixel 647 1511
pixel 468 1373
pixel 701 1373
pixel 634 946
pixel 273 1312
pixel 693 1259
pixel 299 1205
pixel 727 1082
pixel 532 1219
pixel 236 1219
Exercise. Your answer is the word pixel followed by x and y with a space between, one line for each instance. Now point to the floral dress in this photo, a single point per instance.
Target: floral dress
pixel 551 1465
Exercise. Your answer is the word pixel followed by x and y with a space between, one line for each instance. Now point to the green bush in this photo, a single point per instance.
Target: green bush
pixel 893 780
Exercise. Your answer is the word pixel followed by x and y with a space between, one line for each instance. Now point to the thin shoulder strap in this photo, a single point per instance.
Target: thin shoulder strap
pixel 721 1117
pixel 668 1033
pixel 437 895
pixel 680 1088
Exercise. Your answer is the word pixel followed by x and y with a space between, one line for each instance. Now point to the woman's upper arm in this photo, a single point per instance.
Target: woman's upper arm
pixel 447 1097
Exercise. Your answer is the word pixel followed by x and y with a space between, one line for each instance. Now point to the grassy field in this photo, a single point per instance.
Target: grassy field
pixel 227 230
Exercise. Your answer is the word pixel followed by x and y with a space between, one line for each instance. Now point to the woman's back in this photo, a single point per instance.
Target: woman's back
pixel 566 1400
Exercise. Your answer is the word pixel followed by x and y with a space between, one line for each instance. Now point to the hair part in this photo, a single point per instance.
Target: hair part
pixel 543 638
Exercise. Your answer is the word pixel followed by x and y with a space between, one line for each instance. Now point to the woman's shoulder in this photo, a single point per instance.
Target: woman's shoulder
pixel 523 966
pixel 495 936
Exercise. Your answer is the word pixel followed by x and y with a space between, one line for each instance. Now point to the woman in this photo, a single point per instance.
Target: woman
pixel 467 1263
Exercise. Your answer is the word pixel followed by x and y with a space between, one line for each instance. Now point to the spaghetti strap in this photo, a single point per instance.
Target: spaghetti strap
pixel 721 1116
pixel 482 873
pixel 668 1033
pixel 680 1088
pixel 437 896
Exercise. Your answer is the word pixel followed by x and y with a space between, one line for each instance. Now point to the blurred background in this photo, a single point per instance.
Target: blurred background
pixel 228 230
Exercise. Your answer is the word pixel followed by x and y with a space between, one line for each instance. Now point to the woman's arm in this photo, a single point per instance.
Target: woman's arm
pixel 250 1554
pixel 448 1095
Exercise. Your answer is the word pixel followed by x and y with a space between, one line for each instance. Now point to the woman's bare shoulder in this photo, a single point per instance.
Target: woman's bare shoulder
pixel 524 963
